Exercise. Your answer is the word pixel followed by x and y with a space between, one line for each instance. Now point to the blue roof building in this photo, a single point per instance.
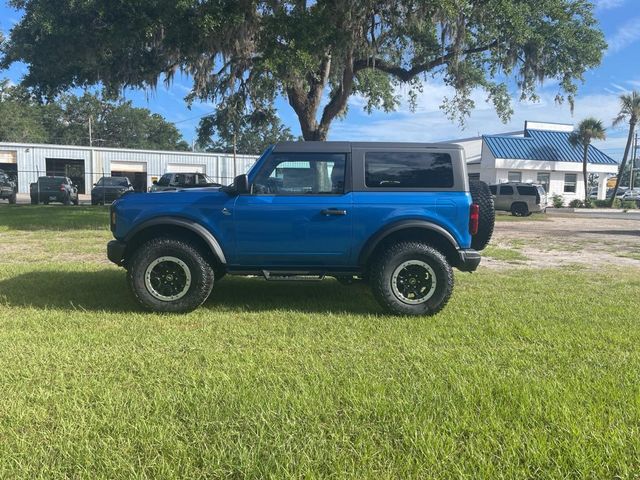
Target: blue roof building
pixel 540 154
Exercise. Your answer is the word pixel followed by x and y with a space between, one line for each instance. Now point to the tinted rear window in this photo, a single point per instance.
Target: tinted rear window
pixel 524 190
pixel 52 181
pixel 506 190
pixel 408 170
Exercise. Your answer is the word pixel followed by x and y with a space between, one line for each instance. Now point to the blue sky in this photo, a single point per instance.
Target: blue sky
pixel 598 96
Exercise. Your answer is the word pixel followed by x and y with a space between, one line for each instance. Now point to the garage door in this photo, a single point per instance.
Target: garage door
pixel 8 156
pixel 133 167
pixel 183 168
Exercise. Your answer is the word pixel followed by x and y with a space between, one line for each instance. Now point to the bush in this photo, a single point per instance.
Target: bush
pixel 558 201
pixel 600 203
pixel 576 203
pixel 629 205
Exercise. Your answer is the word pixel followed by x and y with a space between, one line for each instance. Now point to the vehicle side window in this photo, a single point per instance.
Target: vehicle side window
pixel 178 179
pixel 301 173
pixel 493 189
pixel 506 190
pixel 408 170
pixel 524 190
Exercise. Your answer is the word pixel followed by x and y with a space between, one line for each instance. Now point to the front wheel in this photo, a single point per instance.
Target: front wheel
pixel 412 279
pixel 170 275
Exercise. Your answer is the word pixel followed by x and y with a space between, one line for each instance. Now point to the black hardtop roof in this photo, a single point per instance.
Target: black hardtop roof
pixel 346 147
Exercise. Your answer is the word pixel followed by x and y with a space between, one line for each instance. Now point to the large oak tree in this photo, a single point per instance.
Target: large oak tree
pixel 316 54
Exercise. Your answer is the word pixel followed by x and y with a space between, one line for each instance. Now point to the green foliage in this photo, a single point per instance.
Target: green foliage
pixel 250 133
pixel 315 54
pixel 65 120
pixel 557 201
pixel 629 112
pixel 576 203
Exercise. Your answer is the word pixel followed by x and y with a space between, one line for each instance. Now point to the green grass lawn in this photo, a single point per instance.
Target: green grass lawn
pixel 525 374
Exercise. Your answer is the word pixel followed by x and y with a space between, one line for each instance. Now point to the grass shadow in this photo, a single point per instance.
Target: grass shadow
pixel 53 217
pixel 106 290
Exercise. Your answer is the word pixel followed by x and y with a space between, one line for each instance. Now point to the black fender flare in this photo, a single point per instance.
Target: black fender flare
pixel 191 225
pixel 384 232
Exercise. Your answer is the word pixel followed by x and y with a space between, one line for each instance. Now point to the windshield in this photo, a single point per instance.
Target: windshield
pixel 113 182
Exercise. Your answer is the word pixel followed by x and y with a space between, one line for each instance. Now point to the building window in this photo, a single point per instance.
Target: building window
pixel 544 180
pixel 515 176
pixel 570 180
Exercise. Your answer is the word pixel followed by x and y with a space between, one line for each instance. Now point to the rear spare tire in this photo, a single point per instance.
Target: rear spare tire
pixel 170 275
pixel 481 195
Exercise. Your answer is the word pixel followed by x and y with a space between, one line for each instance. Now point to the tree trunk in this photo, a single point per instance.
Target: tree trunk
pixel 632 128
pixel 585 161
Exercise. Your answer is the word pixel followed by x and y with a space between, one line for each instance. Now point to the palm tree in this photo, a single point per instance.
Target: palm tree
pixel 588 129
pixel 629 111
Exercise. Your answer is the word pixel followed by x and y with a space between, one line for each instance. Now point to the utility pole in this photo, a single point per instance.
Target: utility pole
pixel 90 133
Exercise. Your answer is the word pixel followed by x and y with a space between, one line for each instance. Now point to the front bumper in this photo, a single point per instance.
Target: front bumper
pixel 115 251
pixel 469 260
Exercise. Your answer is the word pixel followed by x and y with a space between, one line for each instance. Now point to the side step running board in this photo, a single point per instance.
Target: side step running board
pixel 294 276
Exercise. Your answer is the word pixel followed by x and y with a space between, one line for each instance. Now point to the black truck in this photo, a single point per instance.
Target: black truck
pixel 8 188
pixel 53 189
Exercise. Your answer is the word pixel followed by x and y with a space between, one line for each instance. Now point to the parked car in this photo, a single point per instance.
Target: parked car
pixel 8 188
pixel 53 189
pixel 631 194
pixel 173 181
pixel 396 216
pixel 521 199
pixel 108 189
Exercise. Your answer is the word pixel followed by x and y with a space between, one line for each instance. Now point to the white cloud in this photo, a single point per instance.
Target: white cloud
pixel 608 4
pixel 429 124
pixel 626 35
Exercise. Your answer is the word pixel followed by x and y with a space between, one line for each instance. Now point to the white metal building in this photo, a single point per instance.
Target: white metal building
pixel 540 154
pixel 85 165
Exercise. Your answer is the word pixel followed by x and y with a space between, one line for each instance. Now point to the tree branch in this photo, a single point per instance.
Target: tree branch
pixel 405 74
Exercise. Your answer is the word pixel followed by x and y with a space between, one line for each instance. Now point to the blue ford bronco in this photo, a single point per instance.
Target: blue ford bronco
pixel 397 216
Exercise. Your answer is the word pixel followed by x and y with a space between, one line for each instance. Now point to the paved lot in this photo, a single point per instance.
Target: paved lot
pixel 562 241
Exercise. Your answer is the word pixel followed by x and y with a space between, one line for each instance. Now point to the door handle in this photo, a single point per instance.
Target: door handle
pixel 333 211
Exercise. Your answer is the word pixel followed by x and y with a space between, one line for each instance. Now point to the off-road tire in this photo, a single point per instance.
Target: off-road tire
pixel 202 274
pixel 76 202
pixel 34 201
pixel 66 200
pixel 12 199
pixel 481 195
pixel 381 277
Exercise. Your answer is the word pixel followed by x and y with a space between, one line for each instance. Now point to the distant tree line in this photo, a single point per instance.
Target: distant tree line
pixel 65 120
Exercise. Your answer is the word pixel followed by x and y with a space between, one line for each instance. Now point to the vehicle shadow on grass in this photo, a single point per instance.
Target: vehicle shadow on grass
pixel 107 291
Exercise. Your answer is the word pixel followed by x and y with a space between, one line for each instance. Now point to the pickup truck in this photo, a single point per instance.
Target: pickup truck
pixel 397 216
pixel 8 189
pixel 53 189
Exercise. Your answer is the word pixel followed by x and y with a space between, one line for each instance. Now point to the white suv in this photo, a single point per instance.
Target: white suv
pixel 521 199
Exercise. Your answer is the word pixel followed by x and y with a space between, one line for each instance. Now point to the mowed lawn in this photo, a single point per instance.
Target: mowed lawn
pixel 526 374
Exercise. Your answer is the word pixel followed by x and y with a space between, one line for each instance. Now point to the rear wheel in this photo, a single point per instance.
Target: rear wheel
pixel 170 275
pixel 412 279
pixel 519 210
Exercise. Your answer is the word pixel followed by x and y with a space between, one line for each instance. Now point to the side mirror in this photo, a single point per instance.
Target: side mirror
pixel 241 184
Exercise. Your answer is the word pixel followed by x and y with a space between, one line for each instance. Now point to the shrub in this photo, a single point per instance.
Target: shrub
pixel 629 205
pixel 576 203
pixel 600 203
pixel 558 201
